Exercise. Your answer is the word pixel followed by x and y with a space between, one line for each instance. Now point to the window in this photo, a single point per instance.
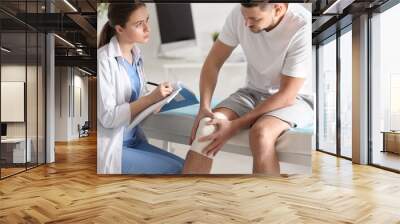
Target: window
pixel 346 93
pixel 385 89
pixel 327 96
pixel 22 74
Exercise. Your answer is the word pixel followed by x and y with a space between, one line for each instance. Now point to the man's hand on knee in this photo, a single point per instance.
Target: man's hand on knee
pixel 202 114
pixel 205 128
pixel 223 130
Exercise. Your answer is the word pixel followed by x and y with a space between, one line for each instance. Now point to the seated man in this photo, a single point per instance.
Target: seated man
pixel 276 39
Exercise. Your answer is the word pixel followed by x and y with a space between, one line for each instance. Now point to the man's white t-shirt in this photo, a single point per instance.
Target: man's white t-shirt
pixel 284 50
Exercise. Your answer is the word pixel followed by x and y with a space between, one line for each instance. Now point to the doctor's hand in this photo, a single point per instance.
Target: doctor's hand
pixel 162 91
pixel 203 112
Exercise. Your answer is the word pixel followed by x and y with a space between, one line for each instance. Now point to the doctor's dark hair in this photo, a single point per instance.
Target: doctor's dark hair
pixel 118 14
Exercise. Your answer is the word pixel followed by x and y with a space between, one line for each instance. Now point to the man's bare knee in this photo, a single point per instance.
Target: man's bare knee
pixel 260 132
pixel 264 134
pixel 261 137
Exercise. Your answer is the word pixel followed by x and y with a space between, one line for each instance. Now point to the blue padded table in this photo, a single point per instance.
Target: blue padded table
pixel 294 146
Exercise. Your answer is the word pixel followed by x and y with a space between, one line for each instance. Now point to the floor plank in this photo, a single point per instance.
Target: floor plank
pixel 70 191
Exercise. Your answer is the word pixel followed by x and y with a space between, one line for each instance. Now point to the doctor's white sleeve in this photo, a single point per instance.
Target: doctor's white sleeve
pixel 111 115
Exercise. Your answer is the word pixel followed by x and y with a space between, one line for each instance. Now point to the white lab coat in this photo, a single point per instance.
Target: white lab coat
pixel 113 111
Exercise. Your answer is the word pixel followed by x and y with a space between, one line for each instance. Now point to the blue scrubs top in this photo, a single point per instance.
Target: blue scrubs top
pixel 134 136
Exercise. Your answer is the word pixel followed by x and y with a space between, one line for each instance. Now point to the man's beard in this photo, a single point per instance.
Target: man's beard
pixel 255 30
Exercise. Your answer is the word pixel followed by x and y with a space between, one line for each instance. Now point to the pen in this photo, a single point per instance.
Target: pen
pixel 152 83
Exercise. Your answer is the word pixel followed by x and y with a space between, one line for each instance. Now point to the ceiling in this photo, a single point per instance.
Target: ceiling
pixel 332 15
pixel 72 20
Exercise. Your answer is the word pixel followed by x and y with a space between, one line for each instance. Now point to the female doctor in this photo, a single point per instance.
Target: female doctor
pixel 122 95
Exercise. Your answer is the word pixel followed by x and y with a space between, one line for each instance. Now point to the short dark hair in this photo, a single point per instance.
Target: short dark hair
pixel 256 3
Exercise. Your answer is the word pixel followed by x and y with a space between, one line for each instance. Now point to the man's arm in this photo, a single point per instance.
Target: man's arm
pixel 209 73
pixel 286 96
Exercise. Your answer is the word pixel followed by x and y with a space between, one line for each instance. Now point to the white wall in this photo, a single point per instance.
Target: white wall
pixel 61 103
pixel 33 126
pixel 207 18
pixel 80 83
pixel 68 82
pixel 17 73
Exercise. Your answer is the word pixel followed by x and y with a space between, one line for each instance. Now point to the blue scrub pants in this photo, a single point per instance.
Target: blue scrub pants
pixel 144 158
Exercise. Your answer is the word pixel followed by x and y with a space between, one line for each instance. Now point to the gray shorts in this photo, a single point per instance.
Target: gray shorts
pixel 300 114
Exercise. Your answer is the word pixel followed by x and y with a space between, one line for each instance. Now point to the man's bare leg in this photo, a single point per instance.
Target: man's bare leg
pixel 196 163
pixel 263 136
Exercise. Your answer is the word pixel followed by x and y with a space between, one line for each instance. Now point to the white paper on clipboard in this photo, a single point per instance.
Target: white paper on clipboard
pixel 151 109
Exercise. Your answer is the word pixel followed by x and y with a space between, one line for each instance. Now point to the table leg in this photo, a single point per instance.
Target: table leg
pixel 166 146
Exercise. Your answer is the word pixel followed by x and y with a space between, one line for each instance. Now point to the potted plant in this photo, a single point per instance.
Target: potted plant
pixel 214 35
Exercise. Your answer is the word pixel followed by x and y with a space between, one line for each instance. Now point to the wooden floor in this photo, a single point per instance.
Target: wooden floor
pixel 70 191
pixel 5 172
